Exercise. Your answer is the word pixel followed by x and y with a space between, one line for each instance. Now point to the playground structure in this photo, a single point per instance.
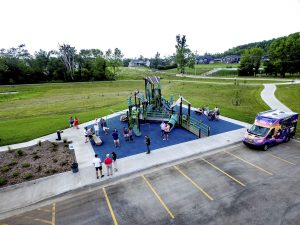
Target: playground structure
pixel 154 107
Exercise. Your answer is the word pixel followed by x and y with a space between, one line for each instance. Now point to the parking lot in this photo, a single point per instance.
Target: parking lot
pixel 236 185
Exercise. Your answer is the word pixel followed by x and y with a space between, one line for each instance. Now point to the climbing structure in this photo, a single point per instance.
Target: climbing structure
pixel 154 107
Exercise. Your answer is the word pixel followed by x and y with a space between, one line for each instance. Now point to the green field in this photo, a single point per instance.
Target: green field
pixel 202 68
pixel 42 109
pixel 139 74
pixel 290 96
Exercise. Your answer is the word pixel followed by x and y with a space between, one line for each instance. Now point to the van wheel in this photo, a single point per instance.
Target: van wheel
pixel 266 147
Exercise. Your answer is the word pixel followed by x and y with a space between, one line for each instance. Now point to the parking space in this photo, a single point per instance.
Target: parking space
pixel 237 185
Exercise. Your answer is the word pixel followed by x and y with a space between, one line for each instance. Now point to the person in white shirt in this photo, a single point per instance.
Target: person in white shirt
pixel 96 129
pixel 98 166
pixel 162 128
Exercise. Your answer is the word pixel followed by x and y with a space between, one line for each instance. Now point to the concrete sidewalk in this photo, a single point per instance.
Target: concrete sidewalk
pixel 41 189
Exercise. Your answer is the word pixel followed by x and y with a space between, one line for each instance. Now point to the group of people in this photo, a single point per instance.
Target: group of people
pixel 211 114
pixel 109 162
pixel 165 130
pixel 101 122
pixel 74 122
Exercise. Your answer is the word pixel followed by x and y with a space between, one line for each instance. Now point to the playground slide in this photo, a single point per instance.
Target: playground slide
pixel 173 120
pixel 136 131
pixel 166 105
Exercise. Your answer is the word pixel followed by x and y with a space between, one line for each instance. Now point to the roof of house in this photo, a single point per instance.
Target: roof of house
pixel 153 79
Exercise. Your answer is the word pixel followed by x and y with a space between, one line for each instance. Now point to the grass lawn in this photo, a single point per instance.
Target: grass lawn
pixel 42 109
pixel 202 68
pixel 136 74
pixel 290 96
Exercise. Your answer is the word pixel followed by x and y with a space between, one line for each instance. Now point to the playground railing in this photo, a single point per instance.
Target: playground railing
pixel 157 115
pixel 196 126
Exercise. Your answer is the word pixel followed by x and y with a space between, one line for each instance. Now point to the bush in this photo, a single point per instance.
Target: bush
pixel 20 152
pixel 35 156
pixel 28 176
pixel 16 174
pixel 54 144
pixel 5 169
pixel 2 181
pixel 63 163
pixel 12 163
pixel 25 165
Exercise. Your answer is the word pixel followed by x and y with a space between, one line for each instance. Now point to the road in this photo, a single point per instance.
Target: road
pixel 236 185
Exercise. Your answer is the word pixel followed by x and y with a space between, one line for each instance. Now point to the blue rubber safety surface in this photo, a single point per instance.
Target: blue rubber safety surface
pixel 176 136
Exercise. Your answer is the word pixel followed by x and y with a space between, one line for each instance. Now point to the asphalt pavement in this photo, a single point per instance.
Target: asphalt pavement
pixel 233 185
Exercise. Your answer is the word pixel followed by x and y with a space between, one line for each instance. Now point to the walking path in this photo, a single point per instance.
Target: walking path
pixel 24 194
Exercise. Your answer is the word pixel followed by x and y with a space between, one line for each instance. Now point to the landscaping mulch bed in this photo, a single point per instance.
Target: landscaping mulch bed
pixel 41 160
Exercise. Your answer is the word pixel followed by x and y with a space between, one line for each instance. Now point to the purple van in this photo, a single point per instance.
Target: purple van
pixel 270 128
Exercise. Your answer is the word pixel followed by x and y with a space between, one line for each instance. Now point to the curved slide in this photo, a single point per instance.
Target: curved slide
pixel 173 120
pixel 165 104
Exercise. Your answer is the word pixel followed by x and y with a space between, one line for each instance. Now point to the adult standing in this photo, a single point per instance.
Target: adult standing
pixel 115 136
pixel 96 129
pixel 76 122
pixel 98 166
pixel 147 142
pixel 108 163
pixel 114 158
pixel 162 128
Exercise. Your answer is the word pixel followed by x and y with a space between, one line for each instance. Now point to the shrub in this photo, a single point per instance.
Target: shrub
pixel 25 165
pixel 63 163
pixel 12 163
pixel 35 156
pixel 16 174
pixel 54 144
pixel 20 152
pixel 28 176
pixel 2 181
pixel 5 169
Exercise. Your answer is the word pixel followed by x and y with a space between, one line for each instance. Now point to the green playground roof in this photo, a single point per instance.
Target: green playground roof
pixel 153 79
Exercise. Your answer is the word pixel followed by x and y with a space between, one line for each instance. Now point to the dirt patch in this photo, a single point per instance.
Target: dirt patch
pixel 41 160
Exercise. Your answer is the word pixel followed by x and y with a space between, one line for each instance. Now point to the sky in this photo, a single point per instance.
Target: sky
pixel 143 27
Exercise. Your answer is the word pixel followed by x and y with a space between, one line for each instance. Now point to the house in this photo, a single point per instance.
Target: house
pixel 204 59
pixel 139 62
pixel 231 59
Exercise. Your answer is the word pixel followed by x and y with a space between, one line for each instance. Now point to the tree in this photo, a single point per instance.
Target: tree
pixel 67 54
pixel 284 54
pixel 250 62
pixel 114 59
pixel 99 68
pixel 184 56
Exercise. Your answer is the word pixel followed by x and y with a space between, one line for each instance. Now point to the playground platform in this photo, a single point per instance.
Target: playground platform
pixel 178 135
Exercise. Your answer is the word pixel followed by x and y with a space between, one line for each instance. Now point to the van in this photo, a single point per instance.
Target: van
pixel 270 128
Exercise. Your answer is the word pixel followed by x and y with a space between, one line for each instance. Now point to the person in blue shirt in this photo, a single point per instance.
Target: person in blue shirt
pixel 115 136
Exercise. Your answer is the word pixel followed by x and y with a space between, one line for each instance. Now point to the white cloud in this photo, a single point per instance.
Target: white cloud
pixel 145 27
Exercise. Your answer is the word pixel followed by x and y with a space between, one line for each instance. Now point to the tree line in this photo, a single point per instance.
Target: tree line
pixel 18 66
pixel 282 57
